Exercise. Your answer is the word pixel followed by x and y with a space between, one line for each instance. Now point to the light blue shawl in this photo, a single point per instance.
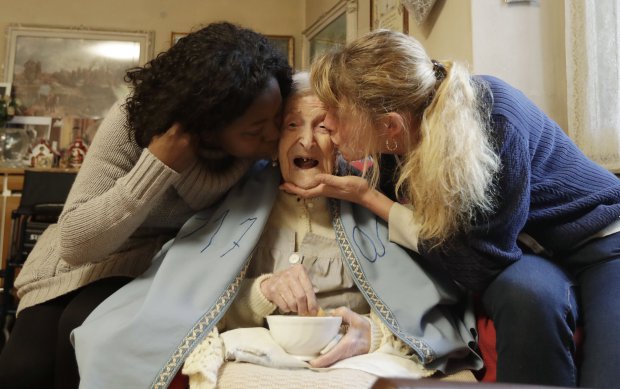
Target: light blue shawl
pixel 140 336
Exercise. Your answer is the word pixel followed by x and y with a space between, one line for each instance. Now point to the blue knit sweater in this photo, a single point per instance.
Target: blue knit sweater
pixel 547 188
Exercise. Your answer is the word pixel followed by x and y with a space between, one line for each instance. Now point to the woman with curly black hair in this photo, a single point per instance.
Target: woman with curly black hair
pixel 198 116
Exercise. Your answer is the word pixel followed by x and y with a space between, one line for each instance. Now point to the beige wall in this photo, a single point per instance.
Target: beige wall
pixel 314 9
pixel 524 45
pixel 447 31
pixel 272 17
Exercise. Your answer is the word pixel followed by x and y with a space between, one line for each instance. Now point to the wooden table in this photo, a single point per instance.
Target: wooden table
pixel 405 383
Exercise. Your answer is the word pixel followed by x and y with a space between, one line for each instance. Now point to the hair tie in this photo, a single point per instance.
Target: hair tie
pixel 439 70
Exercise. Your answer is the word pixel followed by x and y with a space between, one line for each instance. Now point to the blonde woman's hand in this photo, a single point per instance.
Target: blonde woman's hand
pixel 292 291
pixel 356 340
pixel 176 148
pixel 349 188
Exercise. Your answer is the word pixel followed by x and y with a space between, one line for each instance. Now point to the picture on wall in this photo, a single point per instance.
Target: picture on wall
pixel 389 14
pixel 286 45
pixel 175 36
pixel 71 73
pixel 332 36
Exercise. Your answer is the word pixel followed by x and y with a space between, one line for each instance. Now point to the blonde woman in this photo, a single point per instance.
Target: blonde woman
pixel 481 170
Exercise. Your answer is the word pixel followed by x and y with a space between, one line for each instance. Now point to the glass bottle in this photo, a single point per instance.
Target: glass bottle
pixel 11 108
pixel 56 153
pixel 4 117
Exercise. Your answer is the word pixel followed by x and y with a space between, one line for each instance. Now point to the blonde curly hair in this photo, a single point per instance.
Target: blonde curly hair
pixel 449 164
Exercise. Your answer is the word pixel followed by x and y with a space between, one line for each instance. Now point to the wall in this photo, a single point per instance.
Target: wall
pixel 526 49
pixel 522 43
pixel 447 31
pixel 314 9
pixel 272 17
pixel 445 34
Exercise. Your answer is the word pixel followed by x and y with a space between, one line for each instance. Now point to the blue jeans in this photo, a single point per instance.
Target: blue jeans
pixel 533 304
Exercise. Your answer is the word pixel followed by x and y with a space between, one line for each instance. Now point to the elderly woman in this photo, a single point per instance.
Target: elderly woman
pixel 242 262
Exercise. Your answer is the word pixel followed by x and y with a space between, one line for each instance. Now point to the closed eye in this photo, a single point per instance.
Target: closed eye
pixel 321 129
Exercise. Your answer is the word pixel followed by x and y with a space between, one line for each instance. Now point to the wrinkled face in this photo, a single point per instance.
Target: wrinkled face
pixel 255 134
pixel 343 128
pixel 305 147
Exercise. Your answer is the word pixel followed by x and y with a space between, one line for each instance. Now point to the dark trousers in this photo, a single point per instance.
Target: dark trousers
pixel 534 309
pixel 534 306
pixel 39 353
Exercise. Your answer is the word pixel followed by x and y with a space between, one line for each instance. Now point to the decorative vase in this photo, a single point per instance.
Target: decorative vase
pixel 14 145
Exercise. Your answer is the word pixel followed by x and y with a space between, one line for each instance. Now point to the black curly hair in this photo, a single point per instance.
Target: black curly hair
pixel 205 81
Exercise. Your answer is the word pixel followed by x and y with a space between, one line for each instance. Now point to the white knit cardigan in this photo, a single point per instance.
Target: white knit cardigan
pixel 123 206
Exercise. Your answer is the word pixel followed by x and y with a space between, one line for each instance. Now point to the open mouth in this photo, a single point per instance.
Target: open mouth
pixel 305 163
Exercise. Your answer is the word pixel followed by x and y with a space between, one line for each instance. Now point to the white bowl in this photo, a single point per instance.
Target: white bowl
pixel 303 336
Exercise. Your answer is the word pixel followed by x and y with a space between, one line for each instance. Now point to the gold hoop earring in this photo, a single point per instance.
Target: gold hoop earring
pixel 391 147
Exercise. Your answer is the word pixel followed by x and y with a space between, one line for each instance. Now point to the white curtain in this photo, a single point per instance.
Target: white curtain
pixel 593 74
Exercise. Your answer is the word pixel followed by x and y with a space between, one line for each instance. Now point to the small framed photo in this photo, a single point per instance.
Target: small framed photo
pixel 5 89
pixel 286 44
pixel 175 36
pixel 389 14
pixel 39 126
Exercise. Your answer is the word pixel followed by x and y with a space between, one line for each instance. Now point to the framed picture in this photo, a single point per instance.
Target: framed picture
pixel 333 35
pixel 330 31
pixel 38 126
pixel 71 72
pixel 175 36
pixel 5 89
pixel 286 44
pixel 389 14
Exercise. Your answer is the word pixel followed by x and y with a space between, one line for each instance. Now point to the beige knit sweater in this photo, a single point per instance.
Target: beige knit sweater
pixel 123 206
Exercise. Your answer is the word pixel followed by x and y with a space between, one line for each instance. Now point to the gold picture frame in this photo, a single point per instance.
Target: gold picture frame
pixel 175 36
pixel 286 44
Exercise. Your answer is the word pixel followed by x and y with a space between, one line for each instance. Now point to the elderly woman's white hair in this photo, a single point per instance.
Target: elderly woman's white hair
pixel 301 84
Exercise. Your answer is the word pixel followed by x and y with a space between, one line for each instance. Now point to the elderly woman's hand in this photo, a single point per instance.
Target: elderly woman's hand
pixel 291 290
pixel 356 340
